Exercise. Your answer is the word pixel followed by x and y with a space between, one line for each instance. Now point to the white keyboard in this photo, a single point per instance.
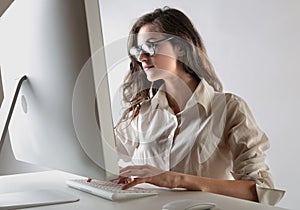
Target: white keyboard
pixel 109 190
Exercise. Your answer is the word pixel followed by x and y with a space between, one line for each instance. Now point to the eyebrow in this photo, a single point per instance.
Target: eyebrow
pixel 148 40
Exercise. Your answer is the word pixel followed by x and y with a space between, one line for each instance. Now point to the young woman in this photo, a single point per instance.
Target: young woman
pixel 180 129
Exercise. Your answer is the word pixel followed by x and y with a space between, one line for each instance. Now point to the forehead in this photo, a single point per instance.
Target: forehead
pixel 148 32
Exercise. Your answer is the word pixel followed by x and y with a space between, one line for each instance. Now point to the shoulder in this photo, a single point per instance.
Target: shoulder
pixel 231 97
pixel 238 111
pixel 235 102
pixel 229 101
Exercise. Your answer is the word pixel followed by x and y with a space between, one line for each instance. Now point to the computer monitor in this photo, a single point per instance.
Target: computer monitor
pixel 62 118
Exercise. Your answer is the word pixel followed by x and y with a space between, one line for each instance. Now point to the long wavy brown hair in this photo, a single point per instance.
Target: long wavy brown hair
pixel 136 87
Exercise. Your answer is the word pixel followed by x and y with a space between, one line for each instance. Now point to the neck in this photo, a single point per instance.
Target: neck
pixel 179 90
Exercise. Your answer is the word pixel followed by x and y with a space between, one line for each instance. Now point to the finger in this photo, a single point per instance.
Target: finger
pixel 141 173
pixel 134 173
pixel 133 183
pixel 129 168
pixel 123 180
pixel 126 168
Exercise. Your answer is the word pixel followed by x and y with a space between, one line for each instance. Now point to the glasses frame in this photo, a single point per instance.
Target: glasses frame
pixel 136 51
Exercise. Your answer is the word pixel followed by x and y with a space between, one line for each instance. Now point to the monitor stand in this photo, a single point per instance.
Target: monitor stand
pixel 7 115
pixel 26 198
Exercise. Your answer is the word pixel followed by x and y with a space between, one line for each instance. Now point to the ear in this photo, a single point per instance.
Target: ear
pixel 179 50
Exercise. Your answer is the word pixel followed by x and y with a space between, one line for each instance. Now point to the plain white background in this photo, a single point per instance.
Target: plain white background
pixel 255 48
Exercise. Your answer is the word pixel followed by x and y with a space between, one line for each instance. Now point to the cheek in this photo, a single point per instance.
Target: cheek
pixel 166 63
pixel 165 59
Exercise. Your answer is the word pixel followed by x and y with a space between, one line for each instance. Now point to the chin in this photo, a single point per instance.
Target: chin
pixel 153 77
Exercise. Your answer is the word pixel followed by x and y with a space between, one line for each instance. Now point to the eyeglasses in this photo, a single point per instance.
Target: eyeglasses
pixel 148 48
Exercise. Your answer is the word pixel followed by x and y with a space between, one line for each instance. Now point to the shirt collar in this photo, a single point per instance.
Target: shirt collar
pixel 160 98
pixel 203 95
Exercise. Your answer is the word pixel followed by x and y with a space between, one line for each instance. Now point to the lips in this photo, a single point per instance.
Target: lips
pixel 146 67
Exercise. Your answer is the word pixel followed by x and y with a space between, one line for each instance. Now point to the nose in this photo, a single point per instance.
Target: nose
pixel 142 57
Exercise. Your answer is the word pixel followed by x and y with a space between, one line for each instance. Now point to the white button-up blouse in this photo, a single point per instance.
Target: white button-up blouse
pixel 214 136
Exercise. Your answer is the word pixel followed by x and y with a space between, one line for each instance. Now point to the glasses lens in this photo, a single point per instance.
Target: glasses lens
pixel 148 49
pixel 135 52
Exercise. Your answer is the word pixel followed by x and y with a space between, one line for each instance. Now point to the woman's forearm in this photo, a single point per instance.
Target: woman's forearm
pixel 235 188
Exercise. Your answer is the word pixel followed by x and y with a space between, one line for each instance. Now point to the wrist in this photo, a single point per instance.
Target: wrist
pixel 179 180
pixel 192 182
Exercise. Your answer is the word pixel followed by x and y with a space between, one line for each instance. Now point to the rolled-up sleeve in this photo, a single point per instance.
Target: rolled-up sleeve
pixel 248 145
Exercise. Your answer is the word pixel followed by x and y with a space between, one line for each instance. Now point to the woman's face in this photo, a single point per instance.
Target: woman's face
pixel 163 64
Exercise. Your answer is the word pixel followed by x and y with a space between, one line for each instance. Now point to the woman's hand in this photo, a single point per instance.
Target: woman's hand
pixel 149 174
pixel 133 175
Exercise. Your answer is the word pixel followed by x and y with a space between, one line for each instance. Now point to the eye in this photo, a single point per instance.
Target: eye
pixel 148 48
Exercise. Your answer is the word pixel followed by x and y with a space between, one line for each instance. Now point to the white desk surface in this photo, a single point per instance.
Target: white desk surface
pixel 56 180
